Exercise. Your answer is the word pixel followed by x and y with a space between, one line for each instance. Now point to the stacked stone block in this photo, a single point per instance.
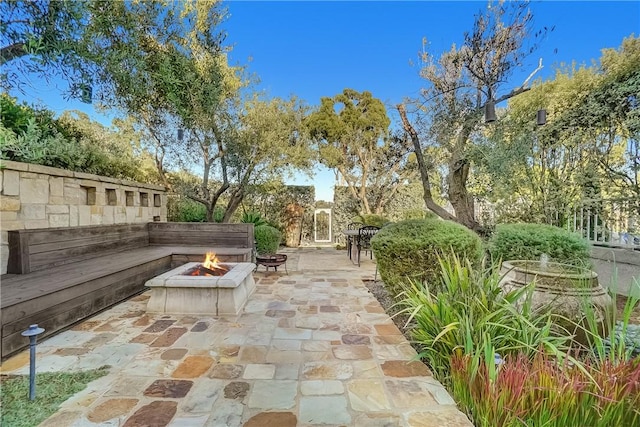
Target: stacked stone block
pixel 34 196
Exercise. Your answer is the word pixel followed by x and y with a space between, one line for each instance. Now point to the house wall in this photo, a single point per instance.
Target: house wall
pixel 34 196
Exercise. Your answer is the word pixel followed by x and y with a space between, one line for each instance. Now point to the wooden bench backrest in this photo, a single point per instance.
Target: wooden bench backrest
pixel 201 234
pixel 39 249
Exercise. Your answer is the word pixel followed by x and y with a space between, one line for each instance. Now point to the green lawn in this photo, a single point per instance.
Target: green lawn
pixel 51 390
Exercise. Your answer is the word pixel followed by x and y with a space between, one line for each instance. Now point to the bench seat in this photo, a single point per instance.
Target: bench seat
pixel 97 272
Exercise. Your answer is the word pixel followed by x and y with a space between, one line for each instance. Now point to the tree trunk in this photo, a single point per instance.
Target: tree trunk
pixel 422 167
pixel 459 197
pixel 11 52
pixel 234 203
pixel 459 168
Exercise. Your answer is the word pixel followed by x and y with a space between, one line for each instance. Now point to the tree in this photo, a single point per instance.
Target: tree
pixel 165 66
pixel 351 130
pixel 588 149
pixel 461 83
pixel 271 144
pixel 41 36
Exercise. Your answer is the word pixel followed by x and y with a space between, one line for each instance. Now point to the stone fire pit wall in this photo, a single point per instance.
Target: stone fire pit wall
pixel 176 293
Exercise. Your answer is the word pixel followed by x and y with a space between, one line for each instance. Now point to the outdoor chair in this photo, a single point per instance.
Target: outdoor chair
pixel 364 240
pixel 351 239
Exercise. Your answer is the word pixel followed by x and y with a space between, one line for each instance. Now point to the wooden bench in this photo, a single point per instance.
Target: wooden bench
pixel 59 276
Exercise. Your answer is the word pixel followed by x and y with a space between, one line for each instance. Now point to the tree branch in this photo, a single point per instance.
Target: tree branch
pixel 523 87
pixel 11 52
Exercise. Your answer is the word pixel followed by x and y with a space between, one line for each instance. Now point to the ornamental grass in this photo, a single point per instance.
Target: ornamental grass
pixel 544 392
pixel 507 364
pixel 466 312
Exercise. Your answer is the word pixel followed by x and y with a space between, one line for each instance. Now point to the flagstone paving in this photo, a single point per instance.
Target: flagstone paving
pixel 312 348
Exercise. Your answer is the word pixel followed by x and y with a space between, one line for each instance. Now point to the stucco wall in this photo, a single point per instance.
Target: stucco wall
pixel 34 196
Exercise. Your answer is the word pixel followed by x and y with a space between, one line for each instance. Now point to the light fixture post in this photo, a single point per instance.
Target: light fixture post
pixel 32 333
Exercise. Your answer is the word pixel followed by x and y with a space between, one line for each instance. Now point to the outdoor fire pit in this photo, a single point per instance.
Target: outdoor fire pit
pixel 202 288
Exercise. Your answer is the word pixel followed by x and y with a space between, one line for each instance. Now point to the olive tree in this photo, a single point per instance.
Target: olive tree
pixel 460 84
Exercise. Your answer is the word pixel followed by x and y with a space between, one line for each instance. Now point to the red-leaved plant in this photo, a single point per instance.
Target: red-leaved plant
pixel 544 392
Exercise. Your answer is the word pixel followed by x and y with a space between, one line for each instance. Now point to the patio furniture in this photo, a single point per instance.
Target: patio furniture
pixel 351 235
pixel 364 239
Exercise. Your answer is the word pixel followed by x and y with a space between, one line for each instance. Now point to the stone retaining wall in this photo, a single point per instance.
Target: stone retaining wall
pixel 34 196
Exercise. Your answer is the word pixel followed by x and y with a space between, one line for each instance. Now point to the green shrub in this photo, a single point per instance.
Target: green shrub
pixel 185 210
pixel 409 249
pixel 530 241
pixel 418 214
pixel 33 135
pixel 371 219
pixel 267 239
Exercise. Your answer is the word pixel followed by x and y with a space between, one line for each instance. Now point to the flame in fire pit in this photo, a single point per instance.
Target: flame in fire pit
pixel 212 262
pixel 210 267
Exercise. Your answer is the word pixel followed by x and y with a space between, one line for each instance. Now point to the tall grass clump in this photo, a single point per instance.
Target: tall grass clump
pixel 464 312
pixel 613 345
pixel 545 392
pixel 530 241
pixel 409 250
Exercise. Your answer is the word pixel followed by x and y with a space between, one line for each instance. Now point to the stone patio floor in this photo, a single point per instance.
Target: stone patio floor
pixel 313 347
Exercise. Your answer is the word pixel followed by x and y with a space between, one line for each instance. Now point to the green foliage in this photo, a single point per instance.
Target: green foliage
pixel 253 218
pixel 462 311
pixel 612 346
pixel 346 207
pixel 183 209
pixel 52 388
pixel 267 239
pixel 272 200
pixel 43 37
pixel 371 219
pixel 464 319
pixel 588 149
pixel 218 214
pixel 418 214
pixel 15 117
pixel 351 131
pixel 547 393
pixel 530 241
pixel 410 249
pixel 72 142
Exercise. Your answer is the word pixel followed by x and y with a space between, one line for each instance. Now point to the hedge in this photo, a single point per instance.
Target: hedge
pixel 409 249
pixel 530 241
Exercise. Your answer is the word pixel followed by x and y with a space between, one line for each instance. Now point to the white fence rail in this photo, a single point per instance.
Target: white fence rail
pixel 610 222
pixel 605 222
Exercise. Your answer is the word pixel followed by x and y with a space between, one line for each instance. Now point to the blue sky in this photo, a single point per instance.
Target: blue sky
pixel 315 49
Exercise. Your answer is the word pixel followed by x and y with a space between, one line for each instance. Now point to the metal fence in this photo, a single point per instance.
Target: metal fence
pixel 611 222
